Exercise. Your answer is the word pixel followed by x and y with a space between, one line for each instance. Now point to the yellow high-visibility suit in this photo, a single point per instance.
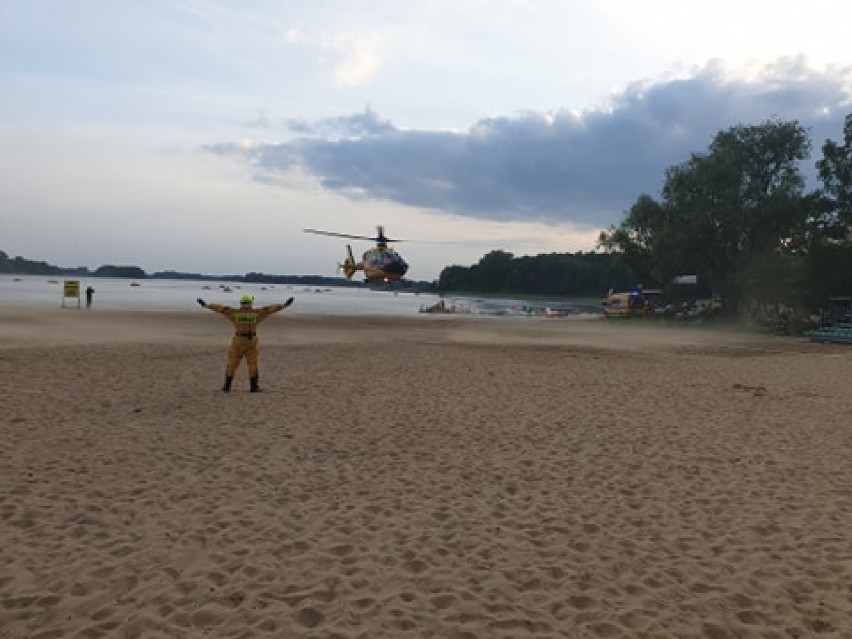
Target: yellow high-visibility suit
pixel 244 343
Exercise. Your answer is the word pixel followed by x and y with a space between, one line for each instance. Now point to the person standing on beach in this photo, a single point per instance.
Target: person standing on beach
pixel 245 342
pixel 89 293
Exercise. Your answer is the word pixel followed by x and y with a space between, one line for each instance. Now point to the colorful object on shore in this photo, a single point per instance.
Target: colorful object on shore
pixel 438 307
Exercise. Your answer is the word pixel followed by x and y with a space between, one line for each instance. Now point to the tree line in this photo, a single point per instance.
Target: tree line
pixel 582 274
pixel 24 266
pixel 738 216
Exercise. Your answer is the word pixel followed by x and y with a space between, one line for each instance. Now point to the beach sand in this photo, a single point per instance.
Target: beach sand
pixel 460 478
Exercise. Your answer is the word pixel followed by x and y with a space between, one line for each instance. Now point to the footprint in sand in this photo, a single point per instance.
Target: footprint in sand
pixel 309 617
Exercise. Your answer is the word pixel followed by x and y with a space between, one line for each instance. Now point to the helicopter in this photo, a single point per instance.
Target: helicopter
pixel 381 264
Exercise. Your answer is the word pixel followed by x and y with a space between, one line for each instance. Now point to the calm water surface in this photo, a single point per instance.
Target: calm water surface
pixel 150 294
pixel 118 293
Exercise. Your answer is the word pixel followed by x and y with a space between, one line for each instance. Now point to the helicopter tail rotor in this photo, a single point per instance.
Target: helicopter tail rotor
pixel 349 267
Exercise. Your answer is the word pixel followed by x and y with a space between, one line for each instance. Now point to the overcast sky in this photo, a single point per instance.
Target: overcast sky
pixel 203 135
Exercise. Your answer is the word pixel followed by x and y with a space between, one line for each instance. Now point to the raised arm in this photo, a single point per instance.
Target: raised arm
pixel 213 307
pixel 266 311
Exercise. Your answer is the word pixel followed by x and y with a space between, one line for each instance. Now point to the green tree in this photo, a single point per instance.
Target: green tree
pixel 835 172
pixel 454 278
pixel 493 273
pixel 648 240
pixel 721 209
pixel 554 274
pixel 110 270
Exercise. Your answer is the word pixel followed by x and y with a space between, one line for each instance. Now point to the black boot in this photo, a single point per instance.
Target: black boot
pixel 255 388
pixel 226 387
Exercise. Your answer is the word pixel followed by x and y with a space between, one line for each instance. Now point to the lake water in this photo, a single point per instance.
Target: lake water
pixel 150 294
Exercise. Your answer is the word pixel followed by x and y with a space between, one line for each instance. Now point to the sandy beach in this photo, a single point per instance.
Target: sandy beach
pixel 458 478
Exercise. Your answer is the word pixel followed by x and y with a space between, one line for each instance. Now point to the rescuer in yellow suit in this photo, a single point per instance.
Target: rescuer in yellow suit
pixel 245 342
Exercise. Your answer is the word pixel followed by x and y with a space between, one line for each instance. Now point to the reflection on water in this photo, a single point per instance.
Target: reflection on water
pixel 149 294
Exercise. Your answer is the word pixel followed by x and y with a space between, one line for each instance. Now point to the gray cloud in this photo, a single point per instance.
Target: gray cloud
pixel 367 123
pixel 586 168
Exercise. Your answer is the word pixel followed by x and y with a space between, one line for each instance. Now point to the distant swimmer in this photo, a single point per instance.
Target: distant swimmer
pixel 245 341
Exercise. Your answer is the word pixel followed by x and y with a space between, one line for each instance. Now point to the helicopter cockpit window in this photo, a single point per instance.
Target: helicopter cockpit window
pixel 380 260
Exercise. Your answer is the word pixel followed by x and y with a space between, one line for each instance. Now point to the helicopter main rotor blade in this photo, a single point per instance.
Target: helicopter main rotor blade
pixel 346 235
pixel 380 238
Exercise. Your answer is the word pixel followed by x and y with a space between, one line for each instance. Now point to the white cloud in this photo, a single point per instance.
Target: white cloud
pixel 347 60
pixel 358 62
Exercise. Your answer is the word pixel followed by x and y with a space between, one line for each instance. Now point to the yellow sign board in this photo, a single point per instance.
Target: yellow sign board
pixel 71 289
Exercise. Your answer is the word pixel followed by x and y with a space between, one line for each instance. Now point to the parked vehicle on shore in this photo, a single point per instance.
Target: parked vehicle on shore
pixel 637 302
